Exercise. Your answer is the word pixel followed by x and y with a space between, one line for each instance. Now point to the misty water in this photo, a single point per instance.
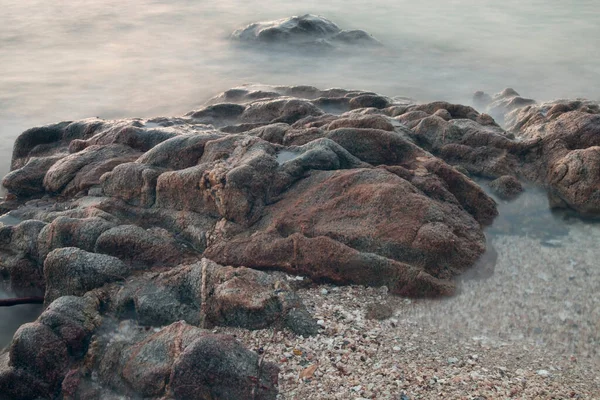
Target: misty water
pixel 140 58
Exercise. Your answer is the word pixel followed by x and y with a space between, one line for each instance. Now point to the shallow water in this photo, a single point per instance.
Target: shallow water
pixel 543 291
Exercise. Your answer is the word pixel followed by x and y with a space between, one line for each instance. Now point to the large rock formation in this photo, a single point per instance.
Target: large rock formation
pixel 185 219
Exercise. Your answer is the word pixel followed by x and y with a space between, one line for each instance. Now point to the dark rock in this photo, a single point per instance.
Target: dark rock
pixel 369 100
pixel 207 294
pixel 29 180
pixel 507 187
pixel 219 114
pixel 306 31
pixel 19 257
pixel 39 351
pixel 140 247
pixel 218 367
pixel 82 170
pixel 74 320
pixel 70 232
pixel 379 311
pixel 72 271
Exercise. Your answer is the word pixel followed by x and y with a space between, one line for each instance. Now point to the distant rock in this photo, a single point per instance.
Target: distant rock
pixel 310 31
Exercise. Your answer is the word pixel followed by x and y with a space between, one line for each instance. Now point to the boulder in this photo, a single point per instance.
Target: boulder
pixel 70 232
pixel 29 180
pixel 140 247
pixel 207 294
pixel 19 257
pixel 506 187
pixel 83 169
pixel 307 30
pixel 72 271
pixel 179 361
pixel 218 367
pixel 134 183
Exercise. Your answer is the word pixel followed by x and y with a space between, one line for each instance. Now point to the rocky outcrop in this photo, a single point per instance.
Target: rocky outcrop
pixel 350 198
pixel 556 147
pixel 186 219
pixel 310 31
pixel 72 271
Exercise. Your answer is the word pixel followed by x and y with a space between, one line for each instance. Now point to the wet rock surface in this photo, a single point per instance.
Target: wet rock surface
pixel 309 31
pixel 188 219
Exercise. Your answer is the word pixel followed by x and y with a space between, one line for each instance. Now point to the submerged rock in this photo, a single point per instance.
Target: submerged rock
pixel 312 31
pixel 507 187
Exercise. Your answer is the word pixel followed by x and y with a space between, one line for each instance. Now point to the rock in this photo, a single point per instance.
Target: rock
pixel 279 110
pixel 140 247
pixel 134 183
pixel 207 294
pixel 507 187
pixel 307 30
pixel 178 361
pixel 83 169
pixel 29 180
pixel 38 142
pixel 19 256
pixel 219 114
pixel 196 189
pixel 74 320
pixel 37 350
pixel 218 367
pixel 179 152
pixel 379 311
pixel 355 37
pixel 368 100
pixel 304 219
pixel 70 232
pixel 362 121
pixel 72 271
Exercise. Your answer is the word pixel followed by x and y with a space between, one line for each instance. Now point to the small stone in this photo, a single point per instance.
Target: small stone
pixel 379 311
pixel 396 348
pixel 452 360
pixel 324 292
pixel 543 372
pixel 321 322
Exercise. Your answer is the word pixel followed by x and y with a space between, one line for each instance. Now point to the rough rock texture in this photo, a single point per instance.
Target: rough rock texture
pixel 178 361
pixel 19 256
pixel 507 187
pixel 355 197
pixel 171 219
pixel 72 271
pixel 41 352
pixel 207 294
pixel 312 31
pixel 557 147
pixel 54 357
